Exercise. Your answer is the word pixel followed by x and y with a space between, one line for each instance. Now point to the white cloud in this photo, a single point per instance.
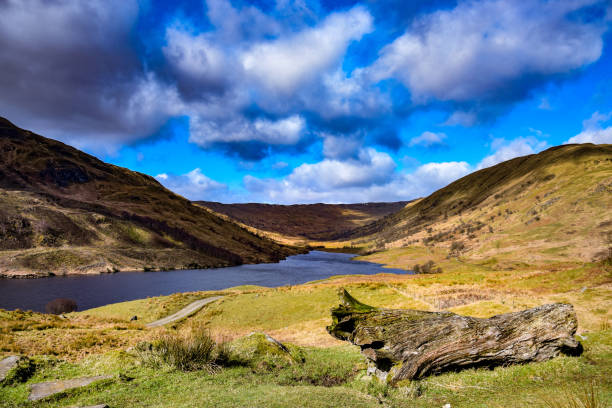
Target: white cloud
pixel 194 185
pixel 483 50
pixel 461 118
pixel 592 130
pixel 505 150
pixel 371 167
pixel 428 139
pixel 196 58
pixel 285 131
pixel 284 64
pixel 433 176
pixel 234 25
pixel 370 178
pixel 341 147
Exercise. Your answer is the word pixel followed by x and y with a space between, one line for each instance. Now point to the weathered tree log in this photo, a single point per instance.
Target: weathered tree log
pixel 412 344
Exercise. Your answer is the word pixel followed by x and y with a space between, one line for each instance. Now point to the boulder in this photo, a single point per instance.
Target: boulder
pixel 261 350
pixel 45 389
pixel 16 369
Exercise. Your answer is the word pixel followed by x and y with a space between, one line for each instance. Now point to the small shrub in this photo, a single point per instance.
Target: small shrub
pixel 61 305
pixel 428 267
pixel 456 248
pixel 192 351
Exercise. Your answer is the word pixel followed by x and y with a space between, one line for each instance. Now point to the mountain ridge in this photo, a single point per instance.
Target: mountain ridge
pixel 318 222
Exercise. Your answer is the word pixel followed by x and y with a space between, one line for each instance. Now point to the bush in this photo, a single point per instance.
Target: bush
pixel 59 306
pixel 456 248
pixel 195 350
pixel 428 267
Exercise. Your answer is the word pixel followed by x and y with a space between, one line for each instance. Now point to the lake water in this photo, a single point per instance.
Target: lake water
pixel 97 290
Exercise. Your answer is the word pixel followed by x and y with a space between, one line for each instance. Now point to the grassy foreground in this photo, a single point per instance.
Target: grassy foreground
pixel 94 342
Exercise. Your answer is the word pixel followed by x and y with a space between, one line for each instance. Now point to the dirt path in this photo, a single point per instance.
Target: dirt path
pixel 184 312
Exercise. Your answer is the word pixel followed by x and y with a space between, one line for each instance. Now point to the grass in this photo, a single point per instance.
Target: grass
pixel 328 377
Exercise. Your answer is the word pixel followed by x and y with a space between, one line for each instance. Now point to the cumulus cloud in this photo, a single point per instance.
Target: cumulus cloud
pixel 593 131
pixel 200 65
pixel 369 178
pixel 284 131
pixel 284 64
pixel 506 150
pixel 341 147
pixel 224 73
pixel 194 185
pixel 371 167
pixel 491 50
pixel 428 139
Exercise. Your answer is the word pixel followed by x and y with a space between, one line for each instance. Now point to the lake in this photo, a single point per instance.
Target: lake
pixel 97 290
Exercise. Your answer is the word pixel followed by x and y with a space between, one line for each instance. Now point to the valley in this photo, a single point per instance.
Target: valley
pixel 527 232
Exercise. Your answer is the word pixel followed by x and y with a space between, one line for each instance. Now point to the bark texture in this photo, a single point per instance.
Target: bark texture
pixel 412 344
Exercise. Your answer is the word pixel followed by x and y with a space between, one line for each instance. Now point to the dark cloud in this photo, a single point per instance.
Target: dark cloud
pixel 68 69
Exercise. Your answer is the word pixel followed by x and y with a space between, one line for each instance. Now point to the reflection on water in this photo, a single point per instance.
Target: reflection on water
pixel 97 290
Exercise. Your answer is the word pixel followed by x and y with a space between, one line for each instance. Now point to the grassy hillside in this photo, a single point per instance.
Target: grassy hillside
pixel 547 207
pixel 316 222
pixel 64 211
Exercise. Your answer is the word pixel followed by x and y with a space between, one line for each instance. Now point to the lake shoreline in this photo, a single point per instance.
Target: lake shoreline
pixel 93 290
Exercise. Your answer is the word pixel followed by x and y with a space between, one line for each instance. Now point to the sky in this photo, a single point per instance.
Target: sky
pixel 308 101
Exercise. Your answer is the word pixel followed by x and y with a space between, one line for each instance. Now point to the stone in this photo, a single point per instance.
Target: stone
pixel 45 389
pixel 412 344
pixel 96 406
pixel 16 369
pixel 259 348
pixel 7 364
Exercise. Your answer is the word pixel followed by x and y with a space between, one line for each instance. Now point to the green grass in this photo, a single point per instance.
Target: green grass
pixel 304 384
pixel 147 310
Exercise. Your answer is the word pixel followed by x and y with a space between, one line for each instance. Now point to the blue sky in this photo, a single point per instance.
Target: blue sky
pixel 308 101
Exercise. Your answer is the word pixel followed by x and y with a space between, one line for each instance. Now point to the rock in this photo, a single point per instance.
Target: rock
pixel 271 340
pixel 45 389
pixel 134 318
pixel 96 406
pixel 6 365
pixel 262 350
pixel 412 344
pixel 16 369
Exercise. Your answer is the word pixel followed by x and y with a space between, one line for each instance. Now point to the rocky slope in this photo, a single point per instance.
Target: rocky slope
pixel 64 211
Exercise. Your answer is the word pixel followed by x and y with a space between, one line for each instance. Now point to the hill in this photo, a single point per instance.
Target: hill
pixel 319 222
pixel 553 206
pixel 64 211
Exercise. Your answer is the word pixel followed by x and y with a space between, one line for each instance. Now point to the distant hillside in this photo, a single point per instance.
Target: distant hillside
pixel 310 221
pixel 64 211
pixel 554 205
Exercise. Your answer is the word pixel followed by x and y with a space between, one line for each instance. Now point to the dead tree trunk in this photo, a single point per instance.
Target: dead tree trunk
pixel 411 344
